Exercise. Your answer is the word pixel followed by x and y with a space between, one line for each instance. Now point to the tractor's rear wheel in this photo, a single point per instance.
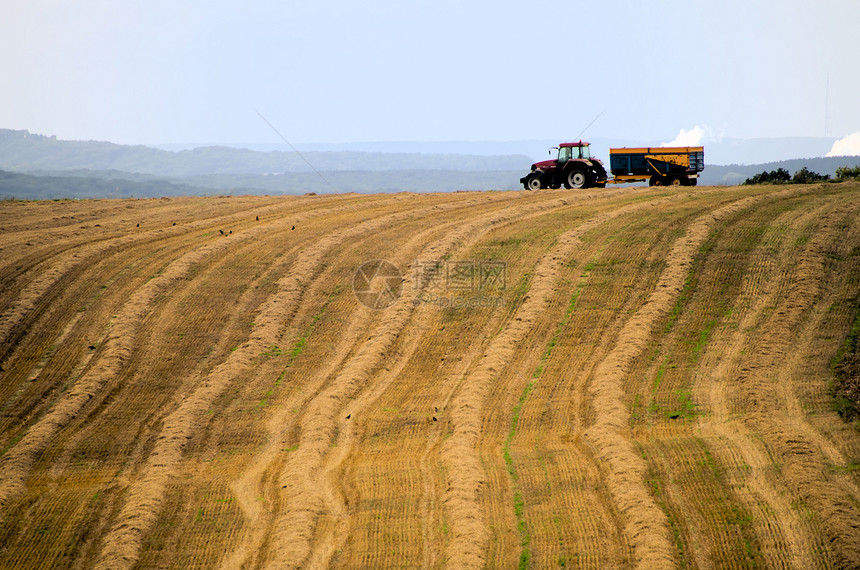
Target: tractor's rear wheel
pixel 575 179
pixel 656 181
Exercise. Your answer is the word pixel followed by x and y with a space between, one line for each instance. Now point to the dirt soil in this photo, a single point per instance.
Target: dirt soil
pixel 633 377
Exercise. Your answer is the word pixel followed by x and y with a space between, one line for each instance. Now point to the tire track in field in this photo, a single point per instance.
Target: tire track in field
pixel 116 350
pixel 269 462
pixel 469 537
pixel 772 430
pixel 757 490
pixel 646 528
pixel 416 324
pixel 303 520
pixel 34 309
pixel 121 547
pixel 429 505
pixel 292 539
pixel 36 326
pixel 263 470
pixel 73 262
pixel 801 455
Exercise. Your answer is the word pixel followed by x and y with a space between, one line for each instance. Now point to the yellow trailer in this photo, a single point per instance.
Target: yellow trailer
pixel 665 165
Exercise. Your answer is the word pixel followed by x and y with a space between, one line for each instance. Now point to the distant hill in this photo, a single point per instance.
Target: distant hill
pixel 722 151
pixel 82 184
pixel 42 167
pixel 46 187
pixel 23 151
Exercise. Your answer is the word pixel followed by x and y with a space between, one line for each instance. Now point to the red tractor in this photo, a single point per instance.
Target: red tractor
pixel 573 168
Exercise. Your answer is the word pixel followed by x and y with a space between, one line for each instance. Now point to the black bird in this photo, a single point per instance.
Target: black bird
pixel 348 416
pixel 137 226
pixel 231 231
pixel 292 228
pixel 434 418
pixel 174 223
pixel 222 232
pixel 258 218
pixel 435 409
pixel 92 347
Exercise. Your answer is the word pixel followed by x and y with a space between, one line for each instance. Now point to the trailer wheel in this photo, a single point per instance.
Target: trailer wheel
pixel 656 181
pixel 533 183
pixel 675 181
pixel 575 179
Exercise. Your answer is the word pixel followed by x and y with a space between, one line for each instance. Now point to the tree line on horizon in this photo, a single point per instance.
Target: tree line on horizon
pixel 802 176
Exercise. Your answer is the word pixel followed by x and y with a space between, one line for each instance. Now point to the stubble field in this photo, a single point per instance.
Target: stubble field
pixel 625 377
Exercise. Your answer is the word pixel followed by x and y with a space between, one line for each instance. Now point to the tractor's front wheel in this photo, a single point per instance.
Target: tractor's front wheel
pixel 575 179
pixel 533 183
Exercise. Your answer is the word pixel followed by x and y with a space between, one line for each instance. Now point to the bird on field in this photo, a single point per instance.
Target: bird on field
pixel 435 409
pixel 222 232
pixel 231 231
pixel 434 418
pixel 258 218
pixel 137 226
pixel 348 416
pixel 174 223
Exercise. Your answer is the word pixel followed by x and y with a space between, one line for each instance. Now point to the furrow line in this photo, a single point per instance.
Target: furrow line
pixel 117 348
pixel 337 534
pixel 74 261
pixel 801 453
pixel 730 438
pixel 258 531
pixel 646 527
pixel 294 530
pixel 121 547
pixel 470 536
pixel 250 485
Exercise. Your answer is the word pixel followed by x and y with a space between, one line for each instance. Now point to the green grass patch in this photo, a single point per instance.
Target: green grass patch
pixel 845 369
pixel 652 478
pixel 299 345
pixel 849 467
pixel 682 299
pixel 272 352
pixel 519 503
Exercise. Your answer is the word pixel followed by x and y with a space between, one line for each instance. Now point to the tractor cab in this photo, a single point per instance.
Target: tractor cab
pixel 568 151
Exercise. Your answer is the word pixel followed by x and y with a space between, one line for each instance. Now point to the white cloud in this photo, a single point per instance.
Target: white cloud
pixel 847 146
pixel 693 137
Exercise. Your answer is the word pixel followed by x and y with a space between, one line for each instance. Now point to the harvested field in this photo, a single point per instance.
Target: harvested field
pixel 629 377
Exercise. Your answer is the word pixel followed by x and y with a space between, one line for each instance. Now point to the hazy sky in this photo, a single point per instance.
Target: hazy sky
pixel 178 71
